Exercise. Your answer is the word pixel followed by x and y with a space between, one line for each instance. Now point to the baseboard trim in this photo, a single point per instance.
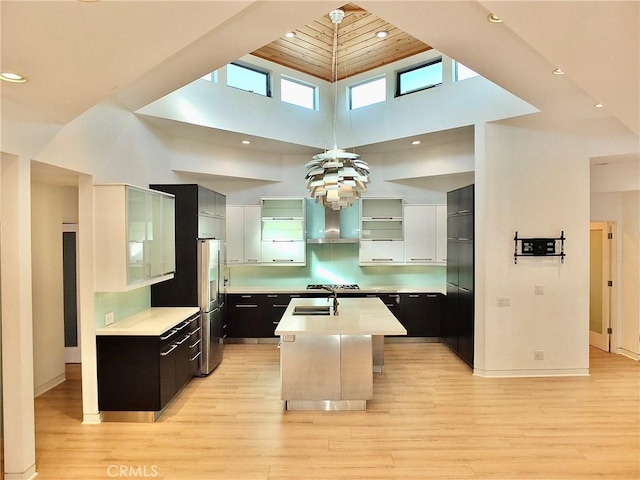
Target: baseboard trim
pixel 561 372
pixel 28 474
pixel 45 387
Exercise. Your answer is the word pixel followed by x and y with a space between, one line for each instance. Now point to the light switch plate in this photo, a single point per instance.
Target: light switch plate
pixel 109 318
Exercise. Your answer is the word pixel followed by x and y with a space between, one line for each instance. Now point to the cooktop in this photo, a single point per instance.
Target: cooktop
pixel 334 286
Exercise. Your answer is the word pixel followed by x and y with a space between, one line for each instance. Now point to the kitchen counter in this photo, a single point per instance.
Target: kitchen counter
pixel 356 316
pixel 327 361
pixel 151 322
pixel 363 289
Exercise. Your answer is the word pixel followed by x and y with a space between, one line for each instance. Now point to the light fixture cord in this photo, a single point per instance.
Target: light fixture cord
pixel 334 75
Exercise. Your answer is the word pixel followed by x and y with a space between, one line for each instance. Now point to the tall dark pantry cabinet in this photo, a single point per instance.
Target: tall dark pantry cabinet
pixel 459 319
pixel 198 279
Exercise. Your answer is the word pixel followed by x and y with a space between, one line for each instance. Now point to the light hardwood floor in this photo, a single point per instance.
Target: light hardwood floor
pixel 430 419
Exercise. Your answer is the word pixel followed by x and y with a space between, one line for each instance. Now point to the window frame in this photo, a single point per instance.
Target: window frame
pixel 266 73
pixel 399 74
pixel 364 82
pixel 314 90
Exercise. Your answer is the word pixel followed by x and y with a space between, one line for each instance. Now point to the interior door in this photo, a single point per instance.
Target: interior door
pixel 70 293
pixel 599 289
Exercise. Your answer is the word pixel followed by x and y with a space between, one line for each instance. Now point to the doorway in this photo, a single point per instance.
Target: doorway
pixel 70 292
pixel 600 285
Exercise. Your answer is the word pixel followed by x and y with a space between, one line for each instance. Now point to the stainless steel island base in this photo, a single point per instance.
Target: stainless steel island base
pixel 326 405
pixel 327 362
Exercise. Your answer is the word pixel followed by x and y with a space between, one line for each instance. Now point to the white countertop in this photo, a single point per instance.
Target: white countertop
pixel 357 316
pixel 363 289
pixel 152 322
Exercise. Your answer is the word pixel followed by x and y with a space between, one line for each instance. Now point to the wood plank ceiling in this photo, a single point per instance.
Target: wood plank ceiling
pixel 359 49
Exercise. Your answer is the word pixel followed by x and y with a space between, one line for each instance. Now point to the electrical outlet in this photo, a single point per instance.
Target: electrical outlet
pixel 539 289
pixel 538 354
pixel 503 301
pixel 109 318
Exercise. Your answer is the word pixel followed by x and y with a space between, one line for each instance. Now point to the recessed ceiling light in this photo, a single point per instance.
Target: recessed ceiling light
pixel 558 71
pixel 416 142
pixel 290 34
pixel 598 105
pixel 493 18
pixel 382 34
pixel 12 77
pixel 246 142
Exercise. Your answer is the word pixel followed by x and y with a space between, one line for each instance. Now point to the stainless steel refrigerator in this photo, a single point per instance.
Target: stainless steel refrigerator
pixel 209 300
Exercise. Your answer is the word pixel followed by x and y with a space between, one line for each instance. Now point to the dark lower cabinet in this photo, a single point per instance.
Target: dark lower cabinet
pixel 421 314
pixel 144 373
pixel 258 315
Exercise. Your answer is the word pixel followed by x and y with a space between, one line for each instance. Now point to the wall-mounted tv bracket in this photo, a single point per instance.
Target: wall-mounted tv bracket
pixel 538 247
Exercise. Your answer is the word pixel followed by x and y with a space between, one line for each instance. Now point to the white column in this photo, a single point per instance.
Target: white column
pixel 17 323
pixel 90 412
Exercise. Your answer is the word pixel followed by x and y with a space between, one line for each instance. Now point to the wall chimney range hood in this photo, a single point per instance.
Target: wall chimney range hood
pixel 332 232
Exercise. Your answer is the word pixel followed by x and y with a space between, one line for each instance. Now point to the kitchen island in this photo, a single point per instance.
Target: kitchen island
pixel 327 361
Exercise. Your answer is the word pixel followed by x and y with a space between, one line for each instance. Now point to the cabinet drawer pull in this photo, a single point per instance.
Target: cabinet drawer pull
pixel 272 296
pixel 422 259
pixel 466 290
pixel 249 260
pixel 180 342
pixel 282 260
pixel 411 295
pixel 194 357
pixel 196 343
pixel 164 354
pixel 247 305
pixel 169 335
pixel 432 295
pixel 276 322
pixel 194 331
pixel 382 259
pixel 381 218
pixel 246 296
pixel 282 241
pixel 277 305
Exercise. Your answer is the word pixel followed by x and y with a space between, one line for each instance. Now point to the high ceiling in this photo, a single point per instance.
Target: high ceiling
pixel 79 54
pixel 313 51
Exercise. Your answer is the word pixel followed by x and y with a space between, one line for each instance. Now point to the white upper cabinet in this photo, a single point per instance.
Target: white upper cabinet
pixel 243 235
pixel 420 231
pixel 441 234
pixel 134 237
pixel 283 231
pixel 235 235
pixel 381 231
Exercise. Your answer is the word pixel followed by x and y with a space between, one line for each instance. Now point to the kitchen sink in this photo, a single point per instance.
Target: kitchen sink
pixel 312 310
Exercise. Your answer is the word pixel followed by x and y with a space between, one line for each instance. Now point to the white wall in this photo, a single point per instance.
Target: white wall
pixel 451 105
pixel 534 182
pixel 51 206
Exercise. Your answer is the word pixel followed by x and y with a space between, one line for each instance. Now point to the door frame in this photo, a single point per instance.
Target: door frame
pixel 73 354
pixel 602 340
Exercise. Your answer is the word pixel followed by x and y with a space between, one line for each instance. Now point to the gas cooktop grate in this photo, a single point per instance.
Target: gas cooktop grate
pixel 316 286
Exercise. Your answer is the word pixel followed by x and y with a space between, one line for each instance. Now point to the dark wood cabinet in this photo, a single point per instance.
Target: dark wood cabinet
pixel 192 202
pixel 421 314
pixel 143 372
pixel 458 325
pixel 258 315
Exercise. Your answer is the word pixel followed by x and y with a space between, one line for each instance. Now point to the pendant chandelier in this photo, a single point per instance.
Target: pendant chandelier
pixel 336 178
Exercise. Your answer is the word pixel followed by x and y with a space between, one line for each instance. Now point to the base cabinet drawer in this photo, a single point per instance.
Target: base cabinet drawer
pixel 144 373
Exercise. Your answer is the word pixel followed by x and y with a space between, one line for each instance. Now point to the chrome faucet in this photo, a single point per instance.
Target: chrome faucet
pixel 335 298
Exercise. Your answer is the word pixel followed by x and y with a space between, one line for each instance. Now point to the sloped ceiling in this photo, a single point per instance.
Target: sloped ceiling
pixel 78 54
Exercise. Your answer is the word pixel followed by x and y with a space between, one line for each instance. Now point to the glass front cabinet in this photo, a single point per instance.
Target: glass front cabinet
pixel 134 237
